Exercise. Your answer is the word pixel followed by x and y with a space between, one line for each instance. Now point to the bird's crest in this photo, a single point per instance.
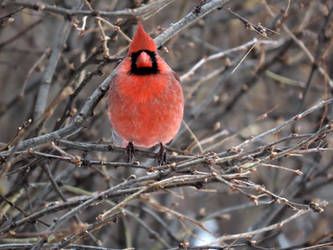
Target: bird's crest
pixel 142 41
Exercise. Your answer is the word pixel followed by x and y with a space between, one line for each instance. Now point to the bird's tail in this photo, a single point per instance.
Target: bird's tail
pixel 117 140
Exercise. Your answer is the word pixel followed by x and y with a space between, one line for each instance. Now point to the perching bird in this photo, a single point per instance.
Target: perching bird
pixel 146 100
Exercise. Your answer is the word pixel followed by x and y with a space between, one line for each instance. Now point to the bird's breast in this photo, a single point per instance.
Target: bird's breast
pixel 141 89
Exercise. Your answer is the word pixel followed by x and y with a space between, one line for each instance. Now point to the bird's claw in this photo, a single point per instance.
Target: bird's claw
pixel 130 152
pixel 162 155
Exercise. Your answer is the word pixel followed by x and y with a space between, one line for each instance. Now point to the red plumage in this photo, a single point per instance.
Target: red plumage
pixel 145 99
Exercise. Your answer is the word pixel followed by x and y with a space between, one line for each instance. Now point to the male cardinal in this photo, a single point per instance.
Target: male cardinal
pixel 145 99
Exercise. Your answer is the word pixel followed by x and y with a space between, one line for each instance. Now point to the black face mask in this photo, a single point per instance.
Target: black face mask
pixel 144 70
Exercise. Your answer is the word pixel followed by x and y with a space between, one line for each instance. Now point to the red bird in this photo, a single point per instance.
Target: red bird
pixel 146 100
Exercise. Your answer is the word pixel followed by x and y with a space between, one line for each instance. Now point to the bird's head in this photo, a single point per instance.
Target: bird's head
pixel 143 53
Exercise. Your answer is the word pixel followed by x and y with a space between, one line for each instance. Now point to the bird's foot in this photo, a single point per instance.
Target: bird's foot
pixel 130 152
pixel 162 155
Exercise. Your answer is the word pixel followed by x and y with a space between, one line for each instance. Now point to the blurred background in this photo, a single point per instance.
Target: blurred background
pixel 247 66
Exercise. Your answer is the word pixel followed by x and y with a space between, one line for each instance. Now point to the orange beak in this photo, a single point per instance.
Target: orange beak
pixel 144 61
